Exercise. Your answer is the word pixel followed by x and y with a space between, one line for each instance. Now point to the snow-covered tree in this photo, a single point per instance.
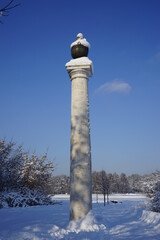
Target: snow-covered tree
pixel 5 150
pixel 148 182
pixel 135 183
pixel 11 163
pixel 124 185
pixel 61 184
pixel 14 167
pixel 37 173
pixel 115 183
pixel 155 202
pixel 24 180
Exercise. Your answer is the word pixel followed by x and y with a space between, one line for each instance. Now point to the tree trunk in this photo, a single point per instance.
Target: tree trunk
pixel 107 198
pixel 97 197
pixel 104 194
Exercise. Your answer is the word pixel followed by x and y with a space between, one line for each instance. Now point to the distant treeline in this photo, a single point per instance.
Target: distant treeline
pixel 32 176
pixel 19 169
pixel 112 183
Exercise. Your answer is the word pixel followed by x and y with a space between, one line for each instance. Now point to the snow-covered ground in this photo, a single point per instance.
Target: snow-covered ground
pixel 125 220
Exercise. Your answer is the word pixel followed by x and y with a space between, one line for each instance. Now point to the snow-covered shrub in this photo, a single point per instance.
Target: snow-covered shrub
pixel 11 163
pixel 24 180
pixel 37 173
pixel 148 183
pixel 24 198
pixel 20 170
pixel 155 202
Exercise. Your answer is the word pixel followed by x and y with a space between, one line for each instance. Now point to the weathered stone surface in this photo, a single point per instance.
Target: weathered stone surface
pixel 80 155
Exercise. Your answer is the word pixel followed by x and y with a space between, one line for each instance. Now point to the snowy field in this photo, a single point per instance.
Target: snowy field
pixel 125 220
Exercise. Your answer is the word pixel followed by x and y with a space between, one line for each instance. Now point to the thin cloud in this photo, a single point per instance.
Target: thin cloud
pixel 117 86
pixel 158 56
pixel 155 59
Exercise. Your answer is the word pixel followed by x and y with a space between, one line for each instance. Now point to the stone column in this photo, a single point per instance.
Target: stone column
pixel 80 70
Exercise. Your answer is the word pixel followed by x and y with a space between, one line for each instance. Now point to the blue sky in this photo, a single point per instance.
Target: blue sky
pixel 124 92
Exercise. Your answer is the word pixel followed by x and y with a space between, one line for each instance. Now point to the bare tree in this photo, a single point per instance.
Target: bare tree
pixel 104 185
pixel 5 10
pixel 96 184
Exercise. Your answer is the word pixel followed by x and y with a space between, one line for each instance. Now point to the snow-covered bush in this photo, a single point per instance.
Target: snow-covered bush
pixel 37 173
pixel 24 180
pixel 11 163
pixel 148 183
pixel 24 198
pixel 155 202
pixel 20 170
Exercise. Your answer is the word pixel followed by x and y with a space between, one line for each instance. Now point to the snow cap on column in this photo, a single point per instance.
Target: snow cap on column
pixel 80 47
pixel 81 40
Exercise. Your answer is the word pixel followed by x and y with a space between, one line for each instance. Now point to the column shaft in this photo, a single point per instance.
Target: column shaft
pixel 80 156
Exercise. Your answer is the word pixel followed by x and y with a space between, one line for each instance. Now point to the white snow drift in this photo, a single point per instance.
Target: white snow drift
pixel 126 220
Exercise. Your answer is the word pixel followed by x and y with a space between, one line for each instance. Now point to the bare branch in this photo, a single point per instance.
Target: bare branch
pixel 5 7
pixel 4 11
pixel 13 6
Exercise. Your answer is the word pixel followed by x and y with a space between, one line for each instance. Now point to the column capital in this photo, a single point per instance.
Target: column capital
pixel 80 66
